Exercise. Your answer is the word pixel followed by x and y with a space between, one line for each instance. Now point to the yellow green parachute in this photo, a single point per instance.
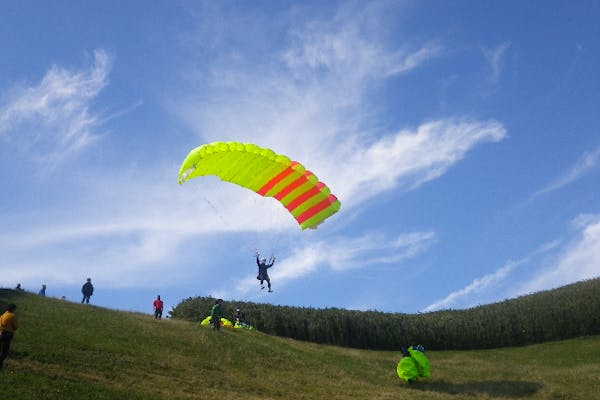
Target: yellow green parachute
pixel 414 364
pixel 224 322
pixel 243 325
pixel 269 174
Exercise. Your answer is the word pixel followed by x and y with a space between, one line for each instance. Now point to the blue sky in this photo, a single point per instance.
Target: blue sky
pixel 462 139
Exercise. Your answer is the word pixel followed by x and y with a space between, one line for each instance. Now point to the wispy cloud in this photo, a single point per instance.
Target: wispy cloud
pixel 471 294
pixel 147 241
pixel 408 159
pixel 52 120
pixel 313 101
pixel 135 226
pixel 586 163
pixel 321 90
pixel 578 260
pixel 573 259
pixel 495 58
pixel 346 253
pixel 342 48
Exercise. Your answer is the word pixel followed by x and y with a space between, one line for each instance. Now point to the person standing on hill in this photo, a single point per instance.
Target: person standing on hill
pixel 239 316
pixel 87 290
pixel 42 291
pixel 8 326
pixel 215 315
pixel 158 307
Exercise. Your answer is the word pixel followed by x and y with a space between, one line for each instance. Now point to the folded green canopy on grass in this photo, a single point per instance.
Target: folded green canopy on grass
pixel 413 365
pixel 224 322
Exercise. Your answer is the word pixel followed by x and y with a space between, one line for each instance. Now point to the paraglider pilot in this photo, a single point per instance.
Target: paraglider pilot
pixel 239 316
pixel 263 265
pixel 215 315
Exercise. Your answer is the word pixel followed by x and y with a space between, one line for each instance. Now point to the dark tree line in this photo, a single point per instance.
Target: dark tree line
pixel 558 314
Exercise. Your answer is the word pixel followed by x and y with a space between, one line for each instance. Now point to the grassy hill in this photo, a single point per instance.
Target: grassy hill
pixel 65 350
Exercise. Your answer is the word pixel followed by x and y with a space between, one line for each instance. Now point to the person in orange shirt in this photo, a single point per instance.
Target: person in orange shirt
pixel 8 326
pixel 158 307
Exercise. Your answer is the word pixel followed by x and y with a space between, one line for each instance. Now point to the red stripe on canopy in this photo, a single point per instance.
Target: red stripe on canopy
pixel 276 179
pixel 304 196
pixel 297 183
pixel 320 206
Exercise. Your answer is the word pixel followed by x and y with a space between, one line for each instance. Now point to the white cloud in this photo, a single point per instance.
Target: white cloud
pixel 342 49
pixel 587 162
pixel 375 249
pixel 408 159
pixel 52 120
pixel 312 101
pixel 471 294
pixel 316 107
pixel 133 228
pixel 579 260
pixel 345 253
pixel 495 58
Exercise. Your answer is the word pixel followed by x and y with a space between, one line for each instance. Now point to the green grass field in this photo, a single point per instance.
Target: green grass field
pixel 65 350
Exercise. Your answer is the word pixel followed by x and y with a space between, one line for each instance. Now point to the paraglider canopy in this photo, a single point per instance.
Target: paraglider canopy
pixel 224 322
pixel 413 364
pixel 269 174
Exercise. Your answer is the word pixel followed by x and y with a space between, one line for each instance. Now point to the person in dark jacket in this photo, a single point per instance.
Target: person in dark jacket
pixel 87 290
pixel 263 266
pixel 239 316
pixel 215 315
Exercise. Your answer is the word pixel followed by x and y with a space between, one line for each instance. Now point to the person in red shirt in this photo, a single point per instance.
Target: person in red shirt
pixel 158 307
